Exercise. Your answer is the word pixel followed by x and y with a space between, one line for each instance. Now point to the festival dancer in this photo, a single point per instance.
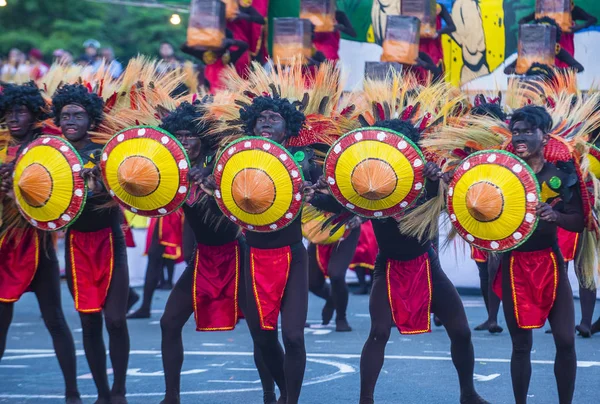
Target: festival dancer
pixel 164 248
pixel 22 108
pixel 280 254
pixel 567 37
pixel 398 249
pixel 363 262
pixel 564 208
pixel 328 43
pixel 96 254
pixel 216 269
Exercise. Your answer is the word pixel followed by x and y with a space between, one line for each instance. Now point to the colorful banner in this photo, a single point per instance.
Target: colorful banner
pixel 486 29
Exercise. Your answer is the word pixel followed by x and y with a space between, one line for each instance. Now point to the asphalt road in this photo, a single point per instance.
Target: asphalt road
pixel 219 369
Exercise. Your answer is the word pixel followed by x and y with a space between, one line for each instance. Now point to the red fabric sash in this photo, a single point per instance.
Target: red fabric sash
pixel 269 270
pixel 478 255
pixel 216 283
pixel 366 249
pixel 323 255
pixel 409 293
pixel 19 259
pixel 170 235
pixel 534 278
pixel 92 262
pixel 567 242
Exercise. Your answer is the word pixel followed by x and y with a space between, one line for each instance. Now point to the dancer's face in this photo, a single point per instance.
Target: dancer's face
pixel 271 125
pixel 19 120
pixel 191 144
pixel 527 140
pixel 74 122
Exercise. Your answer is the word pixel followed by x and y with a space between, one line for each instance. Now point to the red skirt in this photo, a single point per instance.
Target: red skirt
pixel 216 284
pixel 409 292
pixel 567 242
pixel 92 259
pixel 367 248
pixel 534 279
pixel 269 270
pixel 19 259
pixel 324 252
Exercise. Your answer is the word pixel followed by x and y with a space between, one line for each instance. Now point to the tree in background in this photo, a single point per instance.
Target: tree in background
pixel 66 24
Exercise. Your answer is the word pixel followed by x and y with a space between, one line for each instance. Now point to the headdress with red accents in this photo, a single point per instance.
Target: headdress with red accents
pixel 139 97
pixel 285 88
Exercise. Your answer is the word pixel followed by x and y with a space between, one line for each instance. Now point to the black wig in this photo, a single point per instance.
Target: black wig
pixel 77 94
pixel 294 119
pixel 536 116
pixel 400 126
pixel 489 109
pixel 27 95
pixel 187 117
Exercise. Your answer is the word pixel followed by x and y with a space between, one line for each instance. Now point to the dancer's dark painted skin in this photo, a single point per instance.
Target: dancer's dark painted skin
pixel 21 109
pixel 445 303
pixel 287 368
pixel 530 126
pixel 209 228
pixel 77 112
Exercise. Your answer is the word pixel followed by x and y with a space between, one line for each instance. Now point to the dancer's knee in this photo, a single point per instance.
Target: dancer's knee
pixel 116 325
pixel 294 340
pixel 380 333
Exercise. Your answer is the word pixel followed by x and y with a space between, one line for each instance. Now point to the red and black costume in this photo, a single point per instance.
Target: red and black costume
pixel 212 285
pixel 96 260
pixel 408 285
pixel 27 256
pixel 277 263
pixel 535 287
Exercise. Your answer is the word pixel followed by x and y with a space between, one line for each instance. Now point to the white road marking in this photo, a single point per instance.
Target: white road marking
pixel 211 344
pixel 242 369
pixel 14 366
pixel 43 353
pixel 234 381
pixel 483 378
pixel 315 331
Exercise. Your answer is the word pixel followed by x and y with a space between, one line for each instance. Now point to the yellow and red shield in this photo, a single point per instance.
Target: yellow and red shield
pixel 492 200
pixel 259 184
pixel 145 169
pixel 375 172
pixel 49 190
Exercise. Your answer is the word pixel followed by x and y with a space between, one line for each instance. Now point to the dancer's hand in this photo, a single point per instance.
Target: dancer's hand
pixel 321 186
pixel 92 177
pixel 547 213
pixel 432 171
pixel 354 223
pixel 195 175
pixel 308 190
pixel 209 185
